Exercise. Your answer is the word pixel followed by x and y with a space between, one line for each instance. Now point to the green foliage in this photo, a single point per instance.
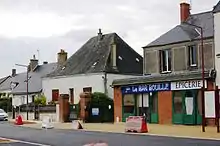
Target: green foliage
pixel 40 99
pixel 6 104
pixel 101 98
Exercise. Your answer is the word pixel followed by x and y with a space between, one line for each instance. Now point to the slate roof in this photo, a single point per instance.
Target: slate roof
pixel 94 57
pixel 35 81
pixel 4 83
pixel 217 8
pixel 184 32
pixel 177 76
pixel 3 79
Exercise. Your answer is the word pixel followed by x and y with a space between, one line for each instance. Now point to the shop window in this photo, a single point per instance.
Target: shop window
pixel 177 101
pixel 189 100
pixel 154 103
pixel 129 103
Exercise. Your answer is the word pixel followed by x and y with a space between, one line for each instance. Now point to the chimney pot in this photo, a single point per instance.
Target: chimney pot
pixel 13 72
pixel 184 11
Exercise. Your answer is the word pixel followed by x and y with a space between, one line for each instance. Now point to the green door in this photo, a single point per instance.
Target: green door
pixel 189 114
pixel 153 108
pixel 185 107
pixel 128 106
pixel 177 117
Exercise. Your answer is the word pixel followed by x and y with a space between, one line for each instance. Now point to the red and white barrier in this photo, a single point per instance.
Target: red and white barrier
pixel 136 124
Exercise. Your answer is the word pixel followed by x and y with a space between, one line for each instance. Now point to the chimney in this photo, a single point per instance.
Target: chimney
pixel 13 73
pixel 100 34
pixel 45 62
pixel 33 63
pixel 184 11
pixel 62 57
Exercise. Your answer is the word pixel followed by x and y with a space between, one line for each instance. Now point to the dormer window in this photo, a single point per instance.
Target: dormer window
pixel 165 61
pixel 193 55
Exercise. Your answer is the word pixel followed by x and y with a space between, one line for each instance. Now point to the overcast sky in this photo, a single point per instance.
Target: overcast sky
pixel 49 25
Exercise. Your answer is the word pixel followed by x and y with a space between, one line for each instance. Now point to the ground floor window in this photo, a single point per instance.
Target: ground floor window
pixel 177 102
pixel 129 103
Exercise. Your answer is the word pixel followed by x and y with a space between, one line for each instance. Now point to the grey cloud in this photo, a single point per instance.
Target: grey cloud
pixel 141 23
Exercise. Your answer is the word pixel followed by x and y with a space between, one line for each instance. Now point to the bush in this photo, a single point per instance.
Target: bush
pixel 101 98
pixel 6 104
pixel 40 99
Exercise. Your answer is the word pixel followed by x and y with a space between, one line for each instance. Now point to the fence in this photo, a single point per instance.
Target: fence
pixel 39 108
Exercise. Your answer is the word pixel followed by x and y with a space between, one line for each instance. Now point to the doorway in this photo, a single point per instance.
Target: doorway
pixel 143 106
pixel 153 107
pixel 186 107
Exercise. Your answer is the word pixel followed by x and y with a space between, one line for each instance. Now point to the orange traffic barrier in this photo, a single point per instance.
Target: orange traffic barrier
pixel 136 124
pixel 18 120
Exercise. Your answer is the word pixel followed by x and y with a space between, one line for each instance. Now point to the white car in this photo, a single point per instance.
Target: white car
pixel 3 115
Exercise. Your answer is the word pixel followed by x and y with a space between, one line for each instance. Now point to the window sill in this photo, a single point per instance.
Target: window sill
pixel 165 72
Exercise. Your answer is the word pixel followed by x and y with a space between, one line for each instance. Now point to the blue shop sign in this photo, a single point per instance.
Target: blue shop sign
pixel 146 88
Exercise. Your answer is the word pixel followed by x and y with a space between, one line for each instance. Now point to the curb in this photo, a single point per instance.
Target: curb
pixel 127 133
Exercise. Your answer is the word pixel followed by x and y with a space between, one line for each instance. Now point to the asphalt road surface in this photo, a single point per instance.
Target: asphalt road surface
pixel 52 137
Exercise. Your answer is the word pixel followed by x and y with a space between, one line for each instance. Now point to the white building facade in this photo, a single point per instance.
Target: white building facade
pixel 96 81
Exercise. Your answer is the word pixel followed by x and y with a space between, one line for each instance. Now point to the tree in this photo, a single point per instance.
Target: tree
pixel 40 99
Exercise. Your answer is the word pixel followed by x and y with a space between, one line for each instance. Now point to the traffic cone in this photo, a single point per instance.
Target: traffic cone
pixel 18 120
pixel 144 127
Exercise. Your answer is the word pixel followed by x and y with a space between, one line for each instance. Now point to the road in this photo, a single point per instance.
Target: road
pixel 52 137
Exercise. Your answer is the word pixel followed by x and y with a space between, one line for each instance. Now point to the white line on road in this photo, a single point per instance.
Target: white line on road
pixel 24 142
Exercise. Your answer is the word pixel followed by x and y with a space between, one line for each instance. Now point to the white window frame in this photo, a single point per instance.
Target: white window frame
pixel 191 56
pixel 166 51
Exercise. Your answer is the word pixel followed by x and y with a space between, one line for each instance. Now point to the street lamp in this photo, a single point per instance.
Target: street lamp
pixel 203 73
pixel 26 66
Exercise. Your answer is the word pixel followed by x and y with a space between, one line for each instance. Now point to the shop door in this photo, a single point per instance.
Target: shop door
pixel 143 106
pixel 178 104
pixel 185 107
pixel 189 116
pixel 128 106
pixel 153 108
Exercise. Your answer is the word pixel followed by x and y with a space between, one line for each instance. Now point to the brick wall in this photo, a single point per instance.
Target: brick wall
pixel 165 107
pixel 117 103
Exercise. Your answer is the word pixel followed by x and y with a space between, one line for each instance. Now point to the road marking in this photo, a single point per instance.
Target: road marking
pixel 24 142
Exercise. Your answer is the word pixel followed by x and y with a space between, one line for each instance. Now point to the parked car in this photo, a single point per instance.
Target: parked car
pixel 3 115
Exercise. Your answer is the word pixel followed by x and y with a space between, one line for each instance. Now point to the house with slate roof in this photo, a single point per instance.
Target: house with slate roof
pixel 15 85
pixel 170 90
pixel 93 67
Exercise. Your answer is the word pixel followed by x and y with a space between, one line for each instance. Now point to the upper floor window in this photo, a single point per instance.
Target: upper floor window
pixel 193 55
pixel 165 60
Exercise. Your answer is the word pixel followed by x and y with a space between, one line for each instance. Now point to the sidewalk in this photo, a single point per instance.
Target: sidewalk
pixel 154 129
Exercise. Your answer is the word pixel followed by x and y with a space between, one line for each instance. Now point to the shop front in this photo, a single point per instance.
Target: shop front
pixel 139 100
pixel 187 105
